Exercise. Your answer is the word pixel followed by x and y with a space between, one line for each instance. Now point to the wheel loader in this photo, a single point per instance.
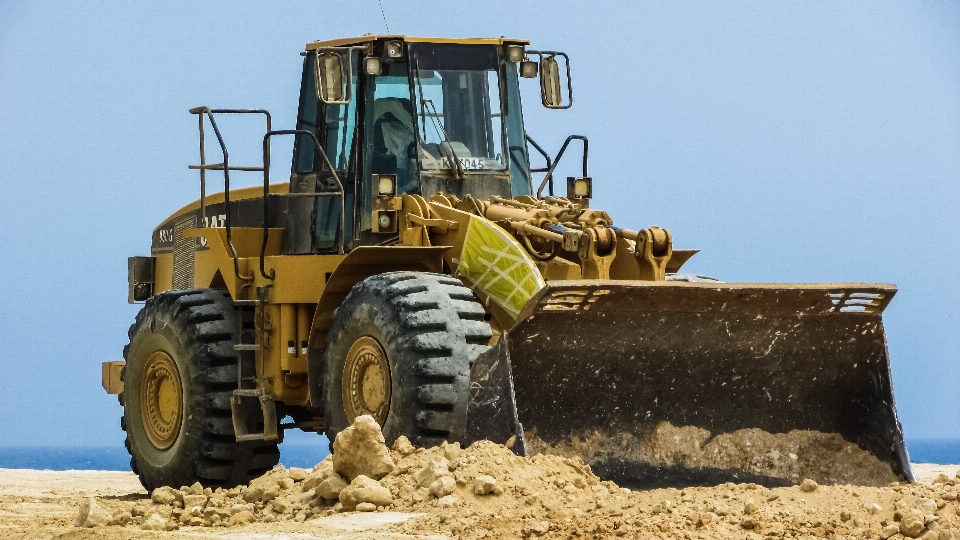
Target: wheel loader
pixel 413 269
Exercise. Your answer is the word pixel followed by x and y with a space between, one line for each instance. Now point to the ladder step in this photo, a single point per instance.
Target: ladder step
pixel 247 347
pixel 248 392
pixel 251 437
pixel 247 302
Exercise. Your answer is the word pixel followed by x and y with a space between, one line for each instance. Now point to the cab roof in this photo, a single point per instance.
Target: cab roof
pixel 367 38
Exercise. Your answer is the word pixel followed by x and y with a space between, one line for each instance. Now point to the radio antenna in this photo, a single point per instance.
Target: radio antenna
pixel 382 14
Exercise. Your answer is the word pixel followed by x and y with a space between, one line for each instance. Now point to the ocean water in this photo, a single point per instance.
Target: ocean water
pixel 299 453
pixel 116 458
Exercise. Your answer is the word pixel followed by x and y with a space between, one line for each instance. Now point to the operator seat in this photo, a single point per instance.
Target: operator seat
pixel 393 135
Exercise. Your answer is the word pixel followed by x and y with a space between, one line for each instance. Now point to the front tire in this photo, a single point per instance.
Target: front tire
pixel 400 349
pixel 181 370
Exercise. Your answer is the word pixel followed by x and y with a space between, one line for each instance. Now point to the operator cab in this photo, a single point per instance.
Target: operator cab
pixel 406 115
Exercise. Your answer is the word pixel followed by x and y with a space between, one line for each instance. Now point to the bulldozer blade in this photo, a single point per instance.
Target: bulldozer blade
pixel 665 383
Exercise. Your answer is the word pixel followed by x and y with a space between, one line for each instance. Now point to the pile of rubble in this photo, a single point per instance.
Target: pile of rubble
pixel 487 491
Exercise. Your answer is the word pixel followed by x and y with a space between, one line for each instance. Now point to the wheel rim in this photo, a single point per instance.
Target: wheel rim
pixel 366 381
pixel 161 400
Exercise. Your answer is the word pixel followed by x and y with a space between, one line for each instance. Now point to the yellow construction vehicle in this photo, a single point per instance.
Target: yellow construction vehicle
pixel 412 269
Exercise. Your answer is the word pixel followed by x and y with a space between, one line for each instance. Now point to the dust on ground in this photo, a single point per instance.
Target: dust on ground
pixel 485 491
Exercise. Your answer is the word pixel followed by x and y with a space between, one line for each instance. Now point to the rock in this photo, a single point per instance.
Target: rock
pixel 364 489
pixel 873 508
pixel 360 450
pixel 165 495
pixel 308 496
pixel 749 506
pixel 241 518
pixel 930 535
pixel 237 508
pixel 485 484
pixel 433 470
pixel 941 479
pixel 844 515
pixel 889 531
pixel 447 501
pixel 195 489
pixel 121 518
pixel 925 505
pixel 318 474
pixel 912 524
pixel 91 515
pixel 270 494
pixel 366 507
pixel 808 485
pixel 191 501
pixel 420 495
pixel 452 452
pixel 536 527
pixel 279 506
pixel 949 496
pixel 443 486
pixel 297 474
pixel 747 523
pixel 286 483
pixel 154 523
pixel 331 487
pixel 253 494
pixel 706 518
pixel 403 446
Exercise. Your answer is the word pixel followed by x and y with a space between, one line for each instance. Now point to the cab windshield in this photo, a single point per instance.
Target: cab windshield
pixel 459 114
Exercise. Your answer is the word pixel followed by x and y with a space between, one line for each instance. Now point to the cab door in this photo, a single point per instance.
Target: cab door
pixel 313 225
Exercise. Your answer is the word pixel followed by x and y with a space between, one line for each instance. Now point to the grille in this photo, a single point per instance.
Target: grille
pixel 183 254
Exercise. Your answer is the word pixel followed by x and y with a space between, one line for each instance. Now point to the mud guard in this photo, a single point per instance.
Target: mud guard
pixel 614 360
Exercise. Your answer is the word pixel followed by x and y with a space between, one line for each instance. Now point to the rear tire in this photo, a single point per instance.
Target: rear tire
pixel 429 329
pixel 181 370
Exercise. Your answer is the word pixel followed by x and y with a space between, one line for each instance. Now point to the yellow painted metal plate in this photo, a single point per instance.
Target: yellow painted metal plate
pixel 495 263
pixel 110 376
pixel 347 42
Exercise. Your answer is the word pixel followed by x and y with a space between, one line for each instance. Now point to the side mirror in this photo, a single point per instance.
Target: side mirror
pixel 550 83
pixel 329 77
pixel 551 89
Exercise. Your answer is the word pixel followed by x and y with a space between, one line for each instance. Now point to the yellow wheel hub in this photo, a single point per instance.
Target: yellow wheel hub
pixel 366 381
pixel 161 400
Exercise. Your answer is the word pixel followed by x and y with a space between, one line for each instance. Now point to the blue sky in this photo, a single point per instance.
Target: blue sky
pixel 789 141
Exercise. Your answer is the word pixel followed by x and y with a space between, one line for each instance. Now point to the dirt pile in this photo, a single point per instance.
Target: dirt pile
pixel 485 491
pixel 824 457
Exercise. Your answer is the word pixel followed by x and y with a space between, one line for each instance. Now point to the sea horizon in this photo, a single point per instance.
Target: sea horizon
pixel 308 454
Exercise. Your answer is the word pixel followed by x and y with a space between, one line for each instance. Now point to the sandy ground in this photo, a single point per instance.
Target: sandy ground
pixel 44 504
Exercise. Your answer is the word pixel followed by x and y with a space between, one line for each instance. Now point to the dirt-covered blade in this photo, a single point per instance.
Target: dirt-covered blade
pixel 698 383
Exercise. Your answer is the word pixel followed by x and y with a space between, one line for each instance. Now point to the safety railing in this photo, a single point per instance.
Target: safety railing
pixel 225 167
pixel 264 168
pixel 267 195
pixel 548 179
